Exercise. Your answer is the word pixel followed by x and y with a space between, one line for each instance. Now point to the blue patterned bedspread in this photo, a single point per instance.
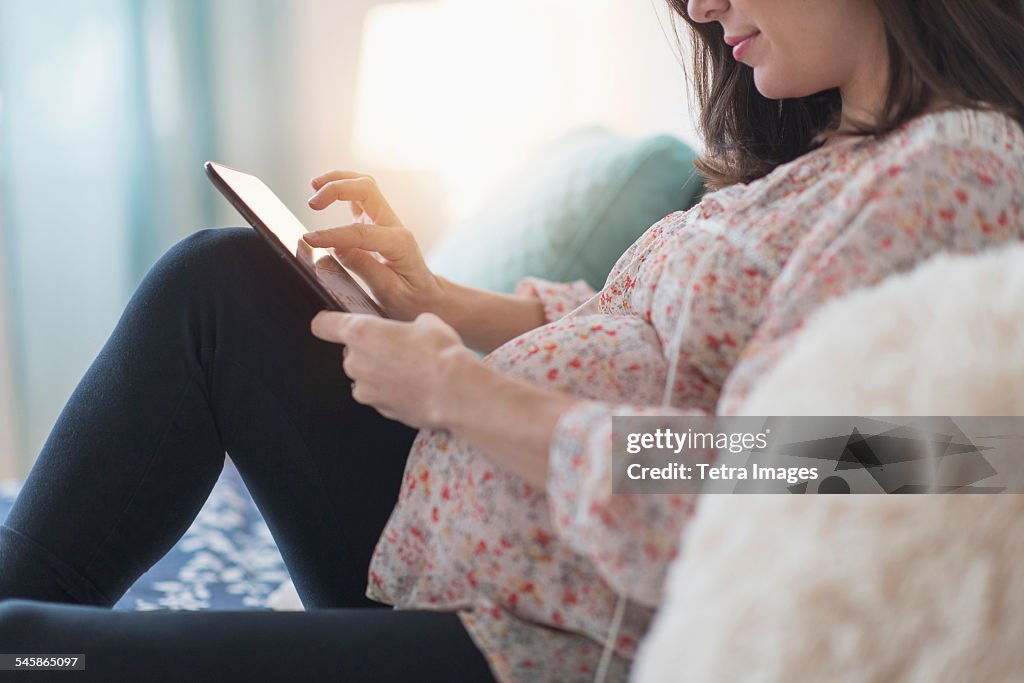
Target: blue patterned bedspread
pixel 226 560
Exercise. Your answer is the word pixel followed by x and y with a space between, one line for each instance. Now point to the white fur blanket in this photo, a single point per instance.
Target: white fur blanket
pixel 867 589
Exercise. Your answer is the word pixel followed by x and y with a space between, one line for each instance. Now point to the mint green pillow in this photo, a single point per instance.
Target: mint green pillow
pixel 571 212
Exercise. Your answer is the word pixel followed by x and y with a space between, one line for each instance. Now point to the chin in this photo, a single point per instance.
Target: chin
pixel 768 86
pixel 778 87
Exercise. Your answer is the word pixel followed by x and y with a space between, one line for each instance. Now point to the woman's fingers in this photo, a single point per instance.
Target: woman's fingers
pixel 393 243
pixel 347 186
pixel 376 246
pixel 325 178
pixel 377 275
pixel 362 190
pixel 367 335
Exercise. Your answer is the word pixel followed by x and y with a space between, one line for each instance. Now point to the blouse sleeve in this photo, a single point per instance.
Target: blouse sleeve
pixel 954 196
pixel 558 298
pixel 630 538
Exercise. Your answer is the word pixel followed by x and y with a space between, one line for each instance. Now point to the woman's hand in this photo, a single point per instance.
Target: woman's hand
pixel 421 374
pixel 403 369
pixel 399 279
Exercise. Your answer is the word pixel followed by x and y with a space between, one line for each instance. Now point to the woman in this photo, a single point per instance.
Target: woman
pixel 845 144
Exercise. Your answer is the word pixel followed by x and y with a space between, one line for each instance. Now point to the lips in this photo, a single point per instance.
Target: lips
pixel 740 44
pixel 733 41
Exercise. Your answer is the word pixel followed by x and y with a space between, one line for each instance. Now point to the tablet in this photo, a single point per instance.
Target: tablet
pixel 283 232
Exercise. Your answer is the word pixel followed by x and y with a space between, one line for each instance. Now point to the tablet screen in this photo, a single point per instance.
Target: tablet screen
pixel 288 230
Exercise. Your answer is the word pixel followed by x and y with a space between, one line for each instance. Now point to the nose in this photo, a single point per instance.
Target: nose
pixel 704 11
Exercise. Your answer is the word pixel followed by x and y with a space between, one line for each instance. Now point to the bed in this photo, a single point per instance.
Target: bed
pixel 226 560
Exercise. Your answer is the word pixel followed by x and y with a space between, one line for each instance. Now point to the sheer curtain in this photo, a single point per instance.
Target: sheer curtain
pixel 8 440
pixel 109 107
pixel 107 110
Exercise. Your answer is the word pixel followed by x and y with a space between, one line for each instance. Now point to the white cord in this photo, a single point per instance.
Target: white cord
pixel 666 402
pixel 677 337
pixel 933 466
pixel 609 642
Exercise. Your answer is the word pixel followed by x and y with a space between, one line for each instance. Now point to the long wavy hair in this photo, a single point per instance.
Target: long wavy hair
pixel 969 52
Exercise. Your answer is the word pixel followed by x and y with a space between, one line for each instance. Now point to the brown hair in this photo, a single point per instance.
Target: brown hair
pixel 969 51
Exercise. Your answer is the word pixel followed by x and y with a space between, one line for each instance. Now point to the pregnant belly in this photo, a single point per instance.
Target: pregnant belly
pixel 466 531
pixel 601 357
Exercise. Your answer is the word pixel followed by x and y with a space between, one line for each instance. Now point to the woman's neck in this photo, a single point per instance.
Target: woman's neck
pixel 847 127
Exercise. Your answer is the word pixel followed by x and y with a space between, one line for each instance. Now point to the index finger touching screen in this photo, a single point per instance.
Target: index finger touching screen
pixel 279 227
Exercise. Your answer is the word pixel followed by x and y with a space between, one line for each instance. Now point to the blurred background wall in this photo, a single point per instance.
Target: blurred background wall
pixel 109 107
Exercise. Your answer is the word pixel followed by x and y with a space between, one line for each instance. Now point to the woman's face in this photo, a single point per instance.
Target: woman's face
pixel 801 47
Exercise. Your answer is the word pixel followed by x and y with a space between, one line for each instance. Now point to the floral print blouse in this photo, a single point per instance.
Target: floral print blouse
pixel 535 573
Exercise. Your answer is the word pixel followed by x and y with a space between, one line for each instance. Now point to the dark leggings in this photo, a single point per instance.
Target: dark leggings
pixel 214 353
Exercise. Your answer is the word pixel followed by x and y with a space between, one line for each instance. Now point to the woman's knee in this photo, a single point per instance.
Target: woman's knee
pixel 212 260
pixel 210 251
pixel 217 242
